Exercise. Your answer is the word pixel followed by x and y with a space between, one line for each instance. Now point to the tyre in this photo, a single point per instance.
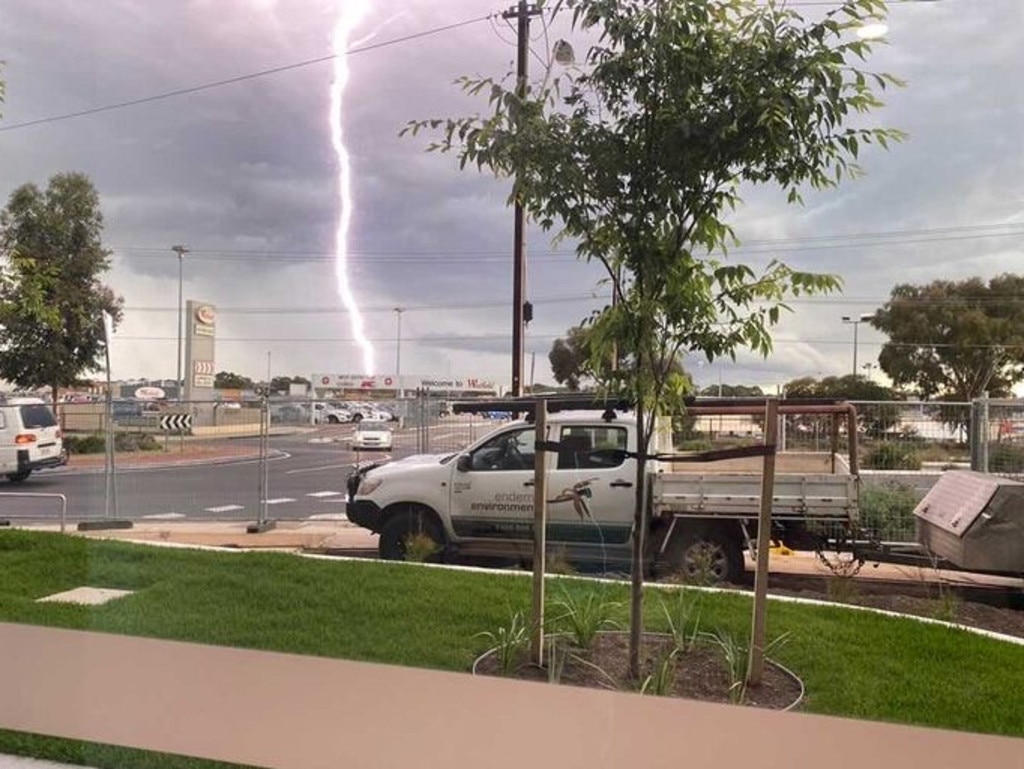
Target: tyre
pixel 357 417
pixel 19 476
pixel 331 419
pixel 704 555
pixel 408 535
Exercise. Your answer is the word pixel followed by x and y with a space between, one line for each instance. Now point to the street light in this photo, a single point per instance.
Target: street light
pixel 398 352
pixel 856 322
pixel 180 251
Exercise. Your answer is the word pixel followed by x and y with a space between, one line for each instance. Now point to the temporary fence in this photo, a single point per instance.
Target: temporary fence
pixel 286 458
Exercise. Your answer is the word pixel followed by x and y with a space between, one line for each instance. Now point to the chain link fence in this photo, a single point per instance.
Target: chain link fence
pixel 288 457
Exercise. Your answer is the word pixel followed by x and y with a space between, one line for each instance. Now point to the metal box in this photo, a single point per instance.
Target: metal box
pixel 975 521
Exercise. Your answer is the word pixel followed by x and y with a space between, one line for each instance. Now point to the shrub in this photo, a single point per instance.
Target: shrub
pixel 694 444
pixel 135 442
pixel 893 456
pixel 96 443
pixel 887 511
pixel 85 444
pixel 1005 458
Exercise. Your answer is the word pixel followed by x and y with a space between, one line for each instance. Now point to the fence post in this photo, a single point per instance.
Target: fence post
pixel 979 433
pixel 983 431
pixel 263 522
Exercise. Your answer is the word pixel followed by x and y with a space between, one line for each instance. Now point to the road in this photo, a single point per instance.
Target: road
pixel 306 478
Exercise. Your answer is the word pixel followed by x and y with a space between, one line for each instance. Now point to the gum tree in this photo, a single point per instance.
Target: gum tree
pixel 51 297
pixel 638 155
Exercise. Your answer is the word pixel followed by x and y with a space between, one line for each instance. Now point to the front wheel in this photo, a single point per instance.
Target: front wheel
pixel 412 535
pixel 18 477
pixel 705 555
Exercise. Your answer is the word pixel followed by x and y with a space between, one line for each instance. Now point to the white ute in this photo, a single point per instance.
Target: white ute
pixel 479 501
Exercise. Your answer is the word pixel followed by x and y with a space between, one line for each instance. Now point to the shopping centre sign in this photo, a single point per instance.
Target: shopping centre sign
pixel 405 382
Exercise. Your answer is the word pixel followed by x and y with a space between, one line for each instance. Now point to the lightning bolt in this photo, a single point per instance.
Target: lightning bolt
pixel 352 13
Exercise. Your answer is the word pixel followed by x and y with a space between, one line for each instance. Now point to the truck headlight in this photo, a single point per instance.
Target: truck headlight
pixel 369 485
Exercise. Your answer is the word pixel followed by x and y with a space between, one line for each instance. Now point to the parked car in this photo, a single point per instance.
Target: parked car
pixel 289 413
pixel 372 434
pixel 330 413
pixel 30 438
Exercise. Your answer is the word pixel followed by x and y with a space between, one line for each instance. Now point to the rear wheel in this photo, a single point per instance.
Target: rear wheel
pixel 412 535
pixel 704 555
pixel 18 477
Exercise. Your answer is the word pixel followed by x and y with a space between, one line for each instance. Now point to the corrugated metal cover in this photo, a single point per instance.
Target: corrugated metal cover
pixel 957 499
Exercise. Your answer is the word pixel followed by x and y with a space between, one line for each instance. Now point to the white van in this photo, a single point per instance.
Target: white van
pixel 30 438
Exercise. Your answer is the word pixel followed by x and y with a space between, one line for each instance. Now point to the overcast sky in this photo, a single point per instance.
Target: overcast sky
pixel 245 176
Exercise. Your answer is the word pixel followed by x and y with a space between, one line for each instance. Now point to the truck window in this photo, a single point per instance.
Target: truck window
pixel 584 447
pixel 508 451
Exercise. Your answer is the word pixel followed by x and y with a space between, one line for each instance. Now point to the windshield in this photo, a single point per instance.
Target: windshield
pixel 37 415
pixel 371 425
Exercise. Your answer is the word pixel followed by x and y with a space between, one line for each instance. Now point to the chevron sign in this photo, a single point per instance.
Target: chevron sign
pixel 176 422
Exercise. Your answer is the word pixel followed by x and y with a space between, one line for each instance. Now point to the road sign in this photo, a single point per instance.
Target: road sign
pixel 176 422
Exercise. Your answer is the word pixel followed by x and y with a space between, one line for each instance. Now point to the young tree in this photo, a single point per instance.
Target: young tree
pixel 638 155
pixel 955 339
pixel 51 298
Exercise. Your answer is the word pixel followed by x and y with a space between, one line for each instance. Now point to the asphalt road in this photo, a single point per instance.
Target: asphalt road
pixel 306 479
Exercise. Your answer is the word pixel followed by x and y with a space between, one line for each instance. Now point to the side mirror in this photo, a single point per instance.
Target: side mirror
pixel 464 463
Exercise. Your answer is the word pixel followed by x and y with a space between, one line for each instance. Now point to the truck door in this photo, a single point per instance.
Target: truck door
pixel 492 489
pixel 591 488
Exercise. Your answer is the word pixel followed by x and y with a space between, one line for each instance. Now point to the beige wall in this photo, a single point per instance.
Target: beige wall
pixel 281 710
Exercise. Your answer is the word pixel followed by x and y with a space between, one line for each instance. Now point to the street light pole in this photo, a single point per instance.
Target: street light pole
pixel 180 251
pixel 856 322
pixel 398 352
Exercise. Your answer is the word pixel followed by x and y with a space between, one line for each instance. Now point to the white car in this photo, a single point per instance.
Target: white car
pixel 30 438
pixel 372 434
pixel 328 413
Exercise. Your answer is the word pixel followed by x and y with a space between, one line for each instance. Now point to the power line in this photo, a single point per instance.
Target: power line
pixel 240 78
pixel 763 245
pixel 547 337
pixel 380 308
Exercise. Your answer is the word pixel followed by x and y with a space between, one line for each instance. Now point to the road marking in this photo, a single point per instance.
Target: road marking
pixel 224 508
pixel 328 517
pixel 344 466
pixel 163 516
pixel 279 500
pixel 321 494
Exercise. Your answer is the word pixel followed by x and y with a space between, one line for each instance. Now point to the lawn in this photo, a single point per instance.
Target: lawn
pixel 853 663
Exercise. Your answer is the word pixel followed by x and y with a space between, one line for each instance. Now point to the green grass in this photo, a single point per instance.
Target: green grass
pixel 853 663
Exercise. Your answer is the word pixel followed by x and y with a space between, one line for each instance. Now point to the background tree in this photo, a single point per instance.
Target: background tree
pixel 574 363
pixel 638 155
pixel 228 380
pixel 955 338
pixel 732 391
pixel 570 358
pixel 875 418
pixel 51 298
pixel 282 384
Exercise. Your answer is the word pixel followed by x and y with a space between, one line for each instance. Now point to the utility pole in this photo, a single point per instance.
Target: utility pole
pixel 522 13
pixel 180 251
pixel 398 352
